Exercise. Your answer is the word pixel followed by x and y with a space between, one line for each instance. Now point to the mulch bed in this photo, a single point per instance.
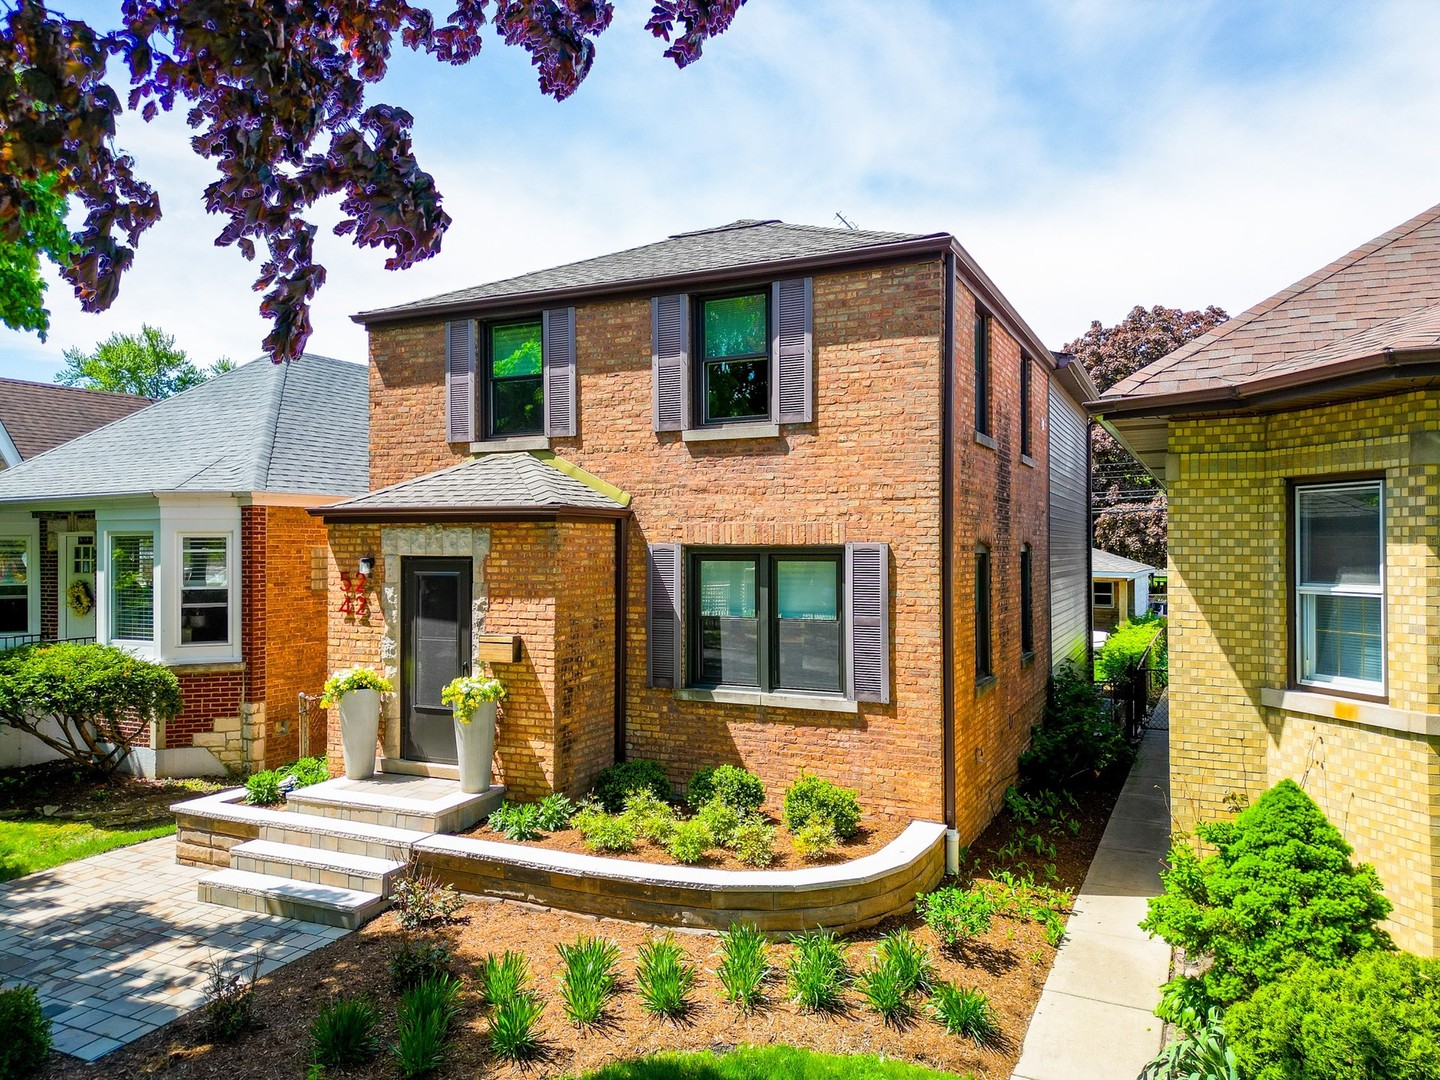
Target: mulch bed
pixel 874 834
pixel 60 791
pixel 1010 964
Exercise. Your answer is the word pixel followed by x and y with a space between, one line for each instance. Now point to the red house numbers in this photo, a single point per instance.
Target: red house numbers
pixel 354 594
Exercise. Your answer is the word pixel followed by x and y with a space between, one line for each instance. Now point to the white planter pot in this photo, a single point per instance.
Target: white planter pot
pixel 359 732
pixel 475 745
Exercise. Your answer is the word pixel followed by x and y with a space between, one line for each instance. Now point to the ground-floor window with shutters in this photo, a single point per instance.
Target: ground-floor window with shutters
pixel 773 620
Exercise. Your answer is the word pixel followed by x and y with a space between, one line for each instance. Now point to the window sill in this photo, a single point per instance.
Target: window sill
pixel 1026 459
pixel 205 667
pixel 985 440
pixel 1027 658
pixel 810 702
pixel 511 445
pixel 723 432
pixel 985 683
pixel 1353 710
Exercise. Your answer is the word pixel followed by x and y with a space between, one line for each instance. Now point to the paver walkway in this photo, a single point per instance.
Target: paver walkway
pixel 1095 1019
pixel 118 944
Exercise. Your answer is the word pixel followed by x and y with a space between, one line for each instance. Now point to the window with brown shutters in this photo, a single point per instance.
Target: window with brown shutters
pixel 559 365
pixel 670 362
pixel 793 376
pixel 867 595
pixel 460 381
pixel 664 576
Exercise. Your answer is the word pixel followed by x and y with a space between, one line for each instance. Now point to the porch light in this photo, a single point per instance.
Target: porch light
pixel 367 566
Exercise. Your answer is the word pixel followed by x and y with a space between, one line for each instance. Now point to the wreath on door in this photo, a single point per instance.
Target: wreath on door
pixel 79 599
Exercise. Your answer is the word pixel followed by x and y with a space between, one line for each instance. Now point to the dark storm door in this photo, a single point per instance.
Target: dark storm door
pixel 434 647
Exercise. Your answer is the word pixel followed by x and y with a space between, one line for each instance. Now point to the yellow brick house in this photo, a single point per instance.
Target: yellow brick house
pixel 1300 446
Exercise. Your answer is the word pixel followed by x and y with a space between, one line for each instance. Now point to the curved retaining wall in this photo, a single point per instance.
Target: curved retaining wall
pixel 842 897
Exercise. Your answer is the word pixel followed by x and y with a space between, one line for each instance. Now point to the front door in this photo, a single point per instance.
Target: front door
pixel 77 585
pixel 434 648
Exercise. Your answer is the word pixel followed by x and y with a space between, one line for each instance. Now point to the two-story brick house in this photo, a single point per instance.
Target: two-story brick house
pixel 766 494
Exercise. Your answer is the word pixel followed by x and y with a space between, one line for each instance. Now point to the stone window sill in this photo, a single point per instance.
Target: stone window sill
pixel 731 431
pixel 985 440
pixel 1351 710
pixel 189 667
pixel 511 445
pixel 1026 459
pixel 810 702
pixel 1027 658
pixel 985 684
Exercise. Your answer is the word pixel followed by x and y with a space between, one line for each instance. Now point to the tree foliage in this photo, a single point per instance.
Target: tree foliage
pixel 40 230
pixel 99 698
pixel 1130 507
pixel 1279 888
pixel 276 95
pixel 147 363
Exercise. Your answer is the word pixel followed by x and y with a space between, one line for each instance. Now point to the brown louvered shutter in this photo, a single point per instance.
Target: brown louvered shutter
pixel 559 366
pixel 670 362
pixel 790 352
pixel 460 381
pixel 664 577
pixel 867 624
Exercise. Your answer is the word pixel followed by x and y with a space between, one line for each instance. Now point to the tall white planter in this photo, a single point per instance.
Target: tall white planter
pixel 475 745
pixel 359 732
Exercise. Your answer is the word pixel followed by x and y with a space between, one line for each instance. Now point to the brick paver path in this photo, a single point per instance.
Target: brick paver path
pixel 118 944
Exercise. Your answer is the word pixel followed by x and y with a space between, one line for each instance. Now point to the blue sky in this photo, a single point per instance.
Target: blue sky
pixel 1091 155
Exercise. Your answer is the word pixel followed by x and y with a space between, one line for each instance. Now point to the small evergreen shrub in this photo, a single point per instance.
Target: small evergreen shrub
pixel 1279 888
pixel 26 1045
pixel 816 839
pixel 418 960
pixel 343 1033
pixel 517 821
pixel 1376 1016
pixel 500 978
pixel 744 966
pixel 956 915
pixel 1075 743
pixel 722 819
pixel 689 841
pixel 554 812
pixel 618 781
pixel 755 843
pixel 818 972
pixel 737 788
pixel 812 797
pixel 967 1013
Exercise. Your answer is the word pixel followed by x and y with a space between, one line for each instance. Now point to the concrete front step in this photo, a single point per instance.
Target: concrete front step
pixel 424 804
pixel 337 834
pixel 291 899
pixel 338 868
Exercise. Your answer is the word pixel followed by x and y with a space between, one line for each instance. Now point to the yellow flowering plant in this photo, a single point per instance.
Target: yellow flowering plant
pixel 467 693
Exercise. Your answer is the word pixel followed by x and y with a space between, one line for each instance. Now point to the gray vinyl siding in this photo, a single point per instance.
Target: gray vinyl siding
pixel 1069 530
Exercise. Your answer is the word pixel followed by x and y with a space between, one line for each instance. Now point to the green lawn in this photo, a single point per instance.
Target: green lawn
pixel 27 846
pixel 764 1063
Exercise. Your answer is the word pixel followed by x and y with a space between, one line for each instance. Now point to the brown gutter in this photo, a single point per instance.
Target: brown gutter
pixel 993 300
pixel 900 251
pixel 363 515
pixel 622 589
pixel 947 541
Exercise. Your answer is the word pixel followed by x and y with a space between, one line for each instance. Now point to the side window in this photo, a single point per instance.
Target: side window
pixel 982 372
pixel 514 380
pixel 1102 594
pixel 132 587
pixel 734 375
pixel 1025 366
pixel 984 662
pixel 1027 603
pixel 204 590
pixel 15 570
pixel 1340 585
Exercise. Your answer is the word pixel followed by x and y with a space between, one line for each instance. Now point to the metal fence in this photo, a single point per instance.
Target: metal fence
pixel 19 641
pixel 1133 693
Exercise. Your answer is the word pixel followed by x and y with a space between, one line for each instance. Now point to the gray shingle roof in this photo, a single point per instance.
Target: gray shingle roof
pixel 298 428
pixel 740 244
pixel 1104 563
pixel 490 483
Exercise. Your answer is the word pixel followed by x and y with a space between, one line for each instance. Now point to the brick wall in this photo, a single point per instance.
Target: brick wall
pixel 584 692
pixel 353 640
pixel 208 696
pixel 291 653
pixel 1229 639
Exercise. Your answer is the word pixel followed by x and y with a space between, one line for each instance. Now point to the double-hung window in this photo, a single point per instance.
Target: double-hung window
pixel 1102 594
pixel 15 570
pixel 514 380
pixel 734 364
pixel 204 590
pixel 1340 585
pixel 767 620
pixel 132 587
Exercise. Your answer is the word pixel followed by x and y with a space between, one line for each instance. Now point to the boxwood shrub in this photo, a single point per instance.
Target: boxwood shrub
pixel 618 781
pixel 812 797
pixel 737 788
pixel 26 1045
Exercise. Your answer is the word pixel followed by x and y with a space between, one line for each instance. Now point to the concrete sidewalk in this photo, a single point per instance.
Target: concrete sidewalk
pixel 1095 1019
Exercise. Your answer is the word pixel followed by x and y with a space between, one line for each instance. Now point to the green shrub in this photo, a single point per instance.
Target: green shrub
pixel 343 1033
pixel 737 788
pixel 1126 645
pixel 26 1045
pixel 422 1022
pixel 689 841
pixel 1376 1016
pixel 722 819
pixel 818 973
pixel 554 811
pixel 516 821
pixel 229 998
pixel 664 978
pixel 512 1032
pixel 308 771
pixel 884 989
pixel 422 900
pixel 588 980
pixel 1075 743
pixel 418 960
pixel 956 915
pixel 500 978
pixel 1201 1051
pixel 605 832
pixel 744 966
pixel 652 817
pixel 910 960
pixel 811 797
pixel 263 788
pixel 618 781
pixel 816 840
pixel 755 843
pixel 1279 888
pixel 967 1013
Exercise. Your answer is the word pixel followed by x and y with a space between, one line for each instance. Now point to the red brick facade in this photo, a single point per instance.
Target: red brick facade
pixel 867 469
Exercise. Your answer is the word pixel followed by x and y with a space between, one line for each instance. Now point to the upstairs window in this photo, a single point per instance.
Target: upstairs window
pixel 204 590
pixel 1340 585
pixel 735 359
pixel 982 373
pixel 1025 405
pixel 984 661
pixel 514 380
pixel 132 587
pixel 14 585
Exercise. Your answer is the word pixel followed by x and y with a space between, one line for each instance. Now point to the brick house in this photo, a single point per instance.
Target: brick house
pixel 36 417
pixel 765 494
pixel 181 532
pixel 1300 446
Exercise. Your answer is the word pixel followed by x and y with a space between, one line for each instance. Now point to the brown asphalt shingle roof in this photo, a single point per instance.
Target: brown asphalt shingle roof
pixel 42 416
pixel 1383 295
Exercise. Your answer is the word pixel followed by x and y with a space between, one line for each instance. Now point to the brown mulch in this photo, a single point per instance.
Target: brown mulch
pixel 61 791
pixel 1010 964
pixel 874 834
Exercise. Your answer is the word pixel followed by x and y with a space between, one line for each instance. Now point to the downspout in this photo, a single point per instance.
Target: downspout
pixel 622 534
pixel 947 587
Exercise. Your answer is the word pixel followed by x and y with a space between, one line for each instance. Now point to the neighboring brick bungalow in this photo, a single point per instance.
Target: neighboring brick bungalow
pixel 1300 446
pixel 766 494
pixel 36 417
pixel 181 533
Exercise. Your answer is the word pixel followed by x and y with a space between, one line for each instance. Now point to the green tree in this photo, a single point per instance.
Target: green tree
pixel 41 231
pixel 147 363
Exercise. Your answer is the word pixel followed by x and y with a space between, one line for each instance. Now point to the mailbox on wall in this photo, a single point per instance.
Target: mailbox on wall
pixel 498 648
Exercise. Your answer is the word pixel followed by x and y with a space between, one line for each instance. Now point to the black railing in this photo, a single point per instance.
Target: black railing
pixel 19 641
pixel 1133 692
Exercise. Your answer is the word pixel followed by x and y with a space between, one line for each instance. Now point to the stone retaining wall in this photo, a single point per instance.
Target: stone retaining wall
pixel 204 838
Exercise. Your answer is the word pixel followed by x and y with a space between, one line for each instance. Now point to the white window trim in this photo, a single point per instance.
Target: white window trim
pixel 1305 674
pixel 231 566
pixel 1096 603
pixel 140 646
pixel 27 528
